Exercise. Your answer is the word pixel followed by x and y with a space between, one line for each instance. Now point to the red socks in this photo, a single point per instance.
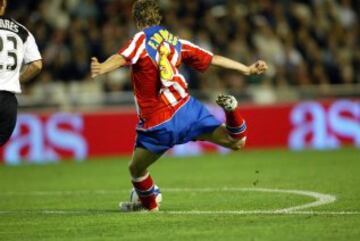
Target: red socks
pixel 144 187
pixel 235 124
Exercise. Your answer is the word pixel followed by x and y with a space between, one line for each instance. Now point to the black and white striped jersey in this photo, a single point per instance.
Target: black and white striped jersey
pixel 17 47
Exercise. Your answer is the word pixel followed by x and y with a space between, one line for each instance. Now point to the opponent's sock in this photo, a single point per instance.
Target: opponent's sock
pixel 144 187
pixel 235 124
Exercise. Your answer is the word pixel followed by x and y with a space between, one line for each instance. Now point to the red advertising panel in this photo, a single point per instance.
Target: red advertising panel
pixel 56 136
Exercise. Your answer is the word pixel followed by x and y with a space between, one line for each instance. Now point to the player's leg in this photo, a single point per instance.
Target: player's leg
pixel 8 115
pixel 142 181
pixel 221 136
pixel 233 133
pixel 141 160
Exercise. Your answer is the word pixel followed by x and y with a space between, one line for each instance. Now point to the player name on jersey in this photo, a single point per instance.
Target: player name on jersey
pixel 7 24
pixel 161 36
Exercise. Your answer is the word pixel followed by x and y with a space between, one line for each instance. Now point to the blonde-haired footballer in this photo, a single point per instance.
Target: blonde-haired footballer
pixel 168 115
pixel 18 51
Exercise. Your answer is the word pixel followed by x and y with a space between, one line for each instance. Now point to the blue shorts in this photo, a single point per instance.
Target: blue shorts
pixel 190 121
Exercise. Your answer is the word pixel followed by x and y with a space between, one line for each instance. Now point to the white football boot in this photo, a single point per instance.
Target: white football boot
pixel 227 102
pixel 127 207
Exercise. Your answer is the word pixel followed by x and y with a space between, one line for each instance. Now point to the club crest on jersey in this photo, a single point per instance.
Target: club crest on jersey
pixel 155 36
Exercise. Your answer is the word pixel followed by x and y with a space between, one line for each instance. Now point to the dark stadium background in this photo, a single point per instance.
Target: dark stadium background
pixel 306 42
pixel 312 48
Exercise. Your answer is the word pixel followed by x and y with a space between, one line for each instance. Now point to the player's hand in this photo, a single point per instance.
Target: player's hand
pixel 95 67
pixel 259 67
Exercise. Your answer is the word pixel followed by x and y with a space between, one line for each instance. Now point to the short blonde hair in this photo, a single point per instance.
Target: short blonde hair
pixel 146 13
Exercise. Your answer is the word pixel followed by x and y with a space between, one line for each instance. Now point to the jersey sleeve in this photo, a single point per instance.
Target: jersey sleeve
pixel 195 57
pixel 133 49
pixel 31 50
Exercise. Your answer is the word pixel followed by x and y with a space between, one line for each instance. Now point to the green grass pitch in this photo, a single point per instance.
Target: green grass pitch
pixel 205 198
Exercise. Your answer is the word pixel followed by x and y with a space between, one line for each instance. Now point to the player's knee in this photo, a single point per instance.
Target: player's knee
pixel 133 169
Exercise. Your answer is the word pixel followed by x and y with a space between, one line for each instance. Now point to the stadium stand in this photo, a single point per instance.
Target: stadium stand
pixel 311 46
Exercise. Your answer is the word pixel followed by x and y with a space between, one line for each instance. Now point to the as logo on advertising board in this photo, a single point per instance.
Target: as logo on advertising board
pixel 319 127
pixel 38 140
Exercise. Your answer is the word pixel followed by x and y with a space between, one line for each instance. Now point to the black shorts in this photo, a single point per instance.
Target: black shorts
pixel 8 114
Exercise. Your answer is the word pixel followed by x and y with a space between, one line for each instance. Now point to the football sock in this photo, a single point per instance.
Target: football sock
pixel 144 187
pixel 235 124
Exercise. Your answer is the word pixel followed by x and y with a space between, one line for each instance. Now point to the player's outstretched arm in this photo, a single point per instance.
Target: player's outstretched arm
pixel 258 67
pixel 31 70
pixel 114 62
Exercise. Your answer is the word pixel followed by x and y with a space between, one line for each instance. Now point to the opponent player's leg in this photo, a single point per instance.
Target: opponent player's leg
pixel 142 181
pixel 8 116
pixel 233 133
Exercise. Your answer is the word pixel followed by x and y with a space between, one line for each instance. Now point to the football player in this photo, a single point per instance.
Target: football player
pixel 20 60
pixel 168 115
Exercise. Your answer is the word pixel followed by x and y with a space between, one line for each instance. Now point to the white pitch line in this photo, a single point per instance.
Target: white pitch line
pixel 320 199
pixel 63 193
pixel 262 212
pixel 191 212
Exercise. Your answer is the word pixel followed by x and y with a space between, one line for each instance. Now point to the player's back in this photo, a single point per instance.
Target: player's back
pixel 158 100
pixel 15 49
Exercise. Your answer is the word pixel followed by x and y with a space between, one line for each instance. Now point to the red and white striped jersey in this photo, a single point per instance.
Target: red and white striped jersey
pixel 156 100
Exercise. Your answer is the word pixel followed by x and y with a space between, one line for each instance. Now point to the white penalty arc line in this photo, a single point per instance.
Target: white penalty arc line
pixel 320 199
pixel 264 212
